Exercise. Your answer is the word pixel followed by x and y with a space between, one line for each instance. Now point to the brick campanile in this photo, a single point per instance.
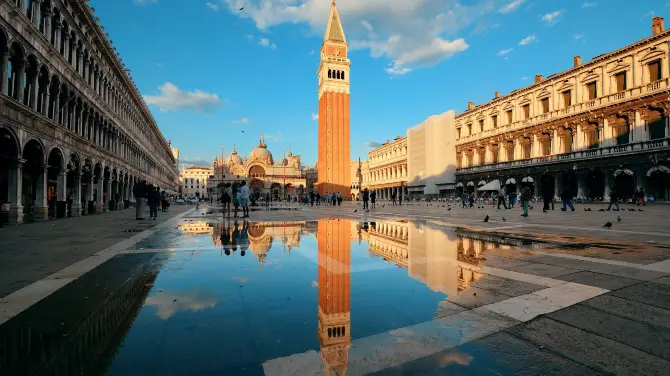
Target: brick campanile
pixel 334 133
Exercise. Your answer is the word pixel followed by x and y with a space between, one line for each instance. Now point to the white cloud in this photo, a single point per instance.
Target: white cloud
pixel 372 144
pixel 241 121
pixel 212 6
pixel 276 137
pixel 505 51
pixel 651 13
pixel 410 34
pixel 173 98
pixel 579 36
pixel 524 78
pixel 527 40
pixel 589 4
pixel 144 2
pixel 168 305
pixel 551 18
pixel 311 52
pixel 511 7
pixel 265 42
pixel 315 116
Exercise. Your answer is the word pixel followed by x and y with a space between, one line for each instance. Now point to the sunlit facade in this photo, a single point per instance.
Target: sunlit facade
pixel 386 171
pixel 598 125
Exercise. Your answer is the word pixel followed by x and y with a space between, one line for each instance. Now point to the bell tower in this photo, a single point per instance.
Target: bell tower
pixel 334 128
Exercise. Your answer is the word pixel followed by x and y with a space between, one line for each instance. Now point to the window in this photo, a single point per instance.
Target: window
pixel 494 121
pixel 620 81
pixel 481 125
pixel 495 155
pixel 593 138
pixel 510 152
pixel 510 119
pixel 469 158
pixel 567 98
pixel 567 143
pixel 621 132
pixel 546 147
pixel 526 150
pixel 655 71
pixel 458 132
pixel 545 105
pixel 591 90
pixel 526 111
pixel 656 125
pixel 469 129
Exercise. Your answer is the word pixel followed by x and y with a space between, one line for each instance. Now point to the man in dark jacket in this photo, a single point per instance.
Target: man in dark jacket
pixel 139 191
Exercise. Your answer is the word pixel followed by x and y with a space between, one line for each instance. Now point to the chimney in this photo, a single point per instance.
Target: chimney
pixel 578 61
pixel 656 25
pixel 538 78
pixel 497 94
pixel 471 105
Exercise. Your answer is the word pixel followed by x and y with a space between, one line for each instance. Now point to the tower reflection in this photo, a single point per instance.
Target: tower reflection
pixel 334 316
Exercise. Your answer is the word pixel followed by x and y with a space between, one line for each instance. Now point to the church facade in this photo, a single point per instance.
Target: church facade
pixel 261 172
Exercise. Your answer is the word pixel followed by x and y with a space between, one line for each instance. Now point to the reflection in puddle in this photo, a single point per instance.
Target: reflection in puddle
pixel 259 300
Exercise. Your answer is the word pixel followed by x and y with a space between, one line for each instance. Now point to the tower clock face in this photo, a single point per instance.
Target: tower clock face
pixel 336 52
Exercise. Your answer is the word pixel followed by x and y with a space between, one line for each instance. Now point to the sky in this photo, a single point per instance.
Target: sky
pixel 214 75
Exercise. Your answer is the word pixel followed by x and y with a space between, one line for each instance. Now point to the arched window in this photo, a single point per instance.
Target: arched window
pixel 338 75
pixel 329 73
pixel 343 75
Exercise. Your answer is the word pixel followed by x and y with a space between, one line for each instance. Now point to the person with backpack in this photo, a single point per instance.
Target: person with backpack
pixel 226 198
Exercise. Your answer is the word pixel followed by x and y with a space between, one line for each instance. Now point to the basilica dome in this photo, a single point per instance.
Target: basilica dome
pixel 261 153
pixel 234 159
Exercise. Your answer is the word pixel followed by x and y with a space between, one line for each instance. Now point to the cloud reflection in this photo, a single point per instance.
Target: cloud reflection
pixel 168 304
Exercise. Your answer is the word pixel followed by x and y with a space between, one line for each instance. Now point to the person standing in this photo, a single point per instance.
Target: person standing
pixel 267 199
pixel 226 198
pixel 547 194
pixel 139 191
pixel 566 198
pixel 373 198
pixel 526 195
pixel 393 198
pixel 154 198
pixel 640 197
pixel 244 199
pixel 366 198
pixel 501 197
pixel 400 197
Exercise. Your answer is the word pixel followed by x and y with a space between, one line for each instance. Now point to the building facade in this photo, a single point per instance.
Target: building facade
pixel 261 173
pixel 386 171
pixel 334 129
pixel 75 131
pixel 195 180
pixel 598 126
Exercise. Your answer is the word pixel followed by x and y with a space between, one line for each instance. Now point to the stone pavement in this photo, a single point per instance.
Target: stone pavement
pixel 31 252
pixel 589 301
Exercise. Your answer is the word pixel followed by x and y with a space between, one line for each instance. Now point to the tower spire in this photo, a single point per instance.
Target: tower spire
pixel 334 31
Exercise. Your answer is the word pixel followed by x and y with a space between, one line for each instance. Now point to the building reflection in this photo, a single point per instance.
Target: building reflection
pixel 444 259
pixel 334 238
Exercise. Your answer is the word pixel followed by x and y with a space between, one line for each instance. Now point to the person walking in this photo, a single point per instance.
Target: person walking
pixel 154 198
pixel 547 194
pixel 339 199
pixel 501 197
pixel 400 198
pixel 640 197
pixel 526 195
pixel 566 198
pixel 333 198
pixel 614 199
pixel 373 199
pixel 244 199
pixel 393 198
pixel 267 199
pixel 139 191
pixel 366 199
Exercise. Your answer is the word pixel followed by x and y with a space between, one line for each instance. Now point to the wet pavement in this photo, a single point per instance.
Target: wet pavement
pixel 208 296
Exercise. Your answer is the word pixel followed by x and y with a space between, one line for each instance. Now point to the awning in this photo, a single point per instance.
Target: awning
pixel 471 184
pixel 511 181
pixel 659 169
pixel 482 182
pixel 459 184
pixel 624 171
pixel 527 179
pixel 493 185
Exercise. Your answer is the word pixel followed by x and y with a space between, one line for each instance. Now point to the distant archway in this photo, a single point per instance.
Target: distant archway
pixel 256 171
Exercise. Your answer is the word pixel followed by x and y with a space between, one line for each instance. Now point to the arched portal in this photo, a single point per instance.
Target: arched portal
pixel 624 183
pixel 33 197
pixel 9 170
pixel 256 171
pixel 658 182
pixel 276 190
pixel 73 186
pixel 55 184
pixel 595 185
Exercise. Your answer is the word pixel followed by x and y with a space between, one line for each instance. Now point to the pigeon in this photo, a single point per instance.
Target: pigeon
pixel 601 210
pixel 449 209
pixel 355 210
pixel 608 225
pixel 585 209
pixel 486 219
pixel 640 210
pixel 504 219
pixel 618 218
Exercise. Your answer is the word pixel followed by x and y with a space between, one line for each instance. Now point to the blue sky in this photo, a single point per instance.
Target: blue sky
pixel 209 71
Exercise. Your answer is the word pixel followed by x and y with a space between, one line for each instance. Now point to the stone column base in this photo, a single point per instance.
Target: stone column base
pixel 41 213
pixel 15 215
pixel 76 211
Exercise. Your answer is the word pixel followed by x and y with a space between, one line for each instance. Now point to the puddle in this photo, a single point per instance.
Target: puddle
pixel 240 297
